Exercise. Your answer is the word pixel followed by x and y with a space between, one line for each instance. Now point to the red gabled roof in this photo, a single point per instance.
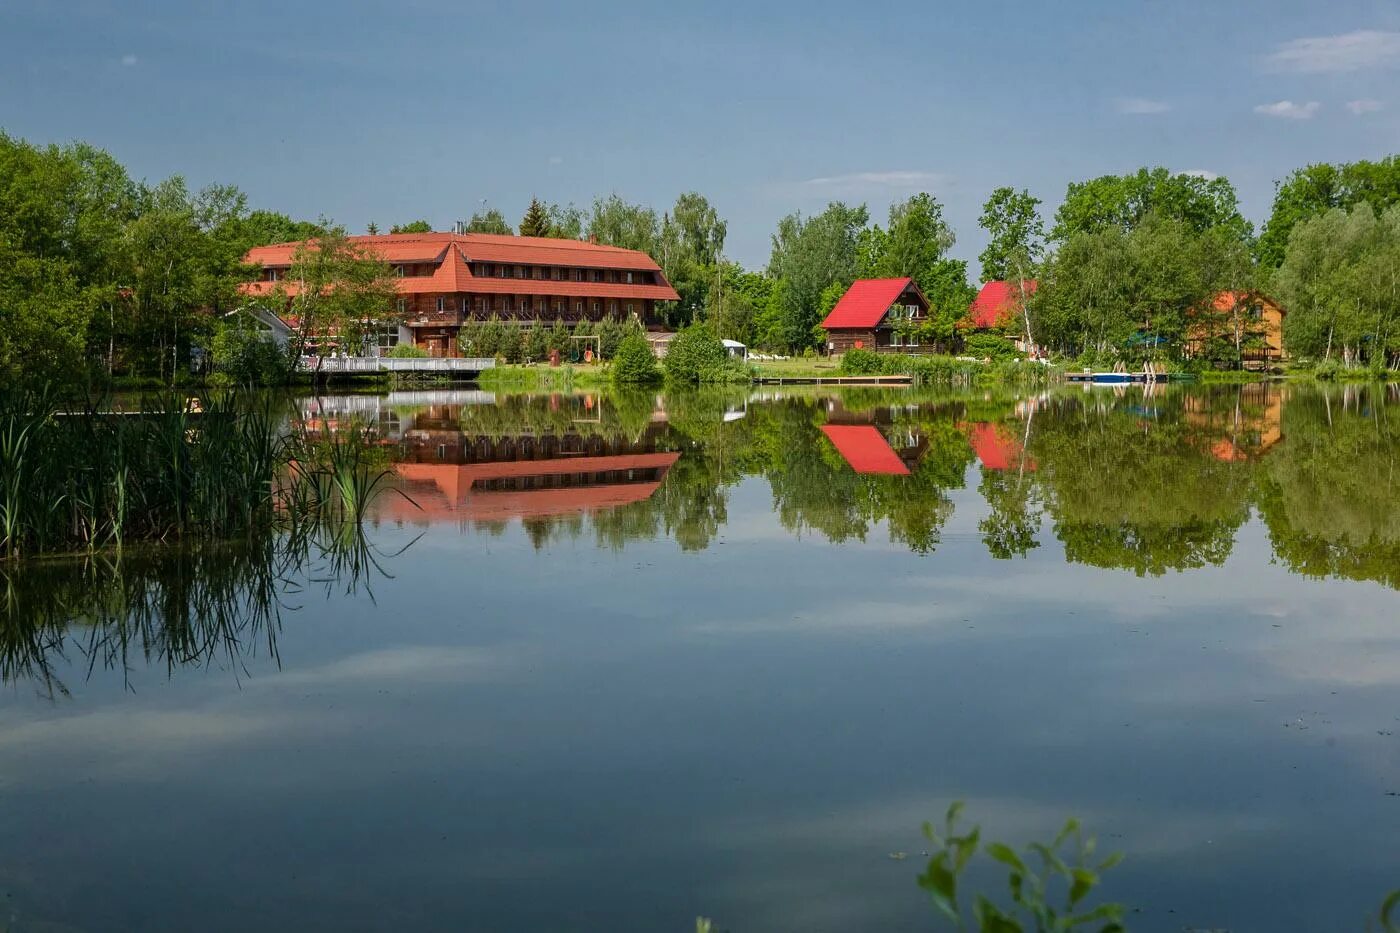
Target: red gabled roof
pixel 994 302
pixel 453 253
pixel 996 447
pixel 865 448
pixel 477 247
pixel 865 303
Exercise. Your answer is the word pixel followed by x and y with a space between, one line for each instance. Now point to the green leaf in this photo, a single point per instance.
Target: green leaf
pixel 954 811
pixel 990 918
pixel 1102 912
pixel 942 883
pixel 1111 862
pixel 1071 827
pixel 1006 855
pixel 967 848
pixel 930 834
pixel 1387 908
pixel 1084 881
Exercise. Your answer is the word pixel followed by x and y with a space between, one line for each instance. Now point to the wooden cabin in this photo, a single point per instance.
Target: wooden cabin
pixel 878 314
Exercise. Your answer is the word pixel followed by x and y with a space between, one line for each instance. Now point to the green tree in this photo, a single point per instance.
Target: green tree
pixel 1318 188
pixel 339 293
pixel 415 226
pixel 634 363
pixel 1124 201
pixel 565 222
pixel 614 222
pixel 808 256
pixel 489 221
pixel 536 220
pixel 1017 235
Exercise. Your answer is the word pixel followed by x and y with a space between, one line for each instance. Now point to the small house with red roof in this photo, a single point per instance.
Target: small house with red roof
pixel 878 314
pixel 997 308
pixel 1249 322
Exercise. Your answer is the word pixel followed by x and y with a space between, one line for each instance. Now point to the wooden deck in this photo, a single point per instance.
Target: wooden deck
pixel 372 365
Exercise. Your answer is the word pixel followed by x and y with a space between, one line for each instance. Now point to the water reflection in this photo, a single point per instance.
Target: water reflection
pixel 1145 480
pixel 171 608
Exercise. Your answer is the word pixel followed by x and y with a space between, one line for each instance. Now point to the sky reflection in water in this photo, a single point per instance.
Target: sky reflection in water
pixel 653 658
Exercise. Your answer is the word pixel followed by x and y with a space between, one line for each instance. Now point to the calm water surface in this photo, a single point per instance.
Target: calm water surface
pixel 613 663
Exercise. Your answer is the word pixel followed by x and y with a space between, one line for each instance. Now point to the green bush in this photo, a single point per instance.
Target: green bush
pixel 864 363
pixel 697 355
pixel 1327 370
pixel 406 351
pixel 245 356
pixel 989 346
pixel 634 363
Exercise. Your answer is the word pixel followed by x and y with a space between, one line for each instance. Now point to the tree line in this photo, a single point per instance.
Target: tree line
pixel 103 274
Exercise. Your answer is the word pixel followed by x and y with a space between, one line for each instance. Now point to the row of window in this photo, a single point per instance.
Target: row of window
pixel 493 270
pixel 523 303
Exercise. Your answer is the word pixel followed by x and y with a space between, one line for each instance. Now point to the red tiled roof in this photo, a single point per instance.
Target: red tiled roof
pixel 865 303
pixel 994 302
pixel 477 247
pixel 865 448
pixel 453 254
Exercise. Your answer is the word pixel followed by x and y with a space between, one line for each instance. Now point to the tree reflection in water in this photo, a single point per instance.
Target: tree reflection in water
pixel 1144 480
pixel 171 607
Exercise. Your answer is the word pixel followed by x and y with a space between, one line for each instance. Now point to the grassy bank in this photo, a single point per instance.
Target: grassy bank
pixel 532 378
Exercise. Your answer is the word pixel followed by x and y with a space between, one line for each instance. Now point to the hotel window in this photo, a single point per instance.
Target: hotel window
pixel 401 305
pixel 911 311
pixel 612 307
pixel 597 306
pixel 597 275
pixel 483 303
pixel 388 338
pixel 913 341
pixel 441 304
pixel 1256 312
pixel 630 310
pixel 524 304
pixel 894 338
pixel 578 307
pixel 272 275
pixel 578 275
pixel 505 272
pixel 521 273
pixel 558 306
pixel 398 270
pixel 629 278
pixel 558 274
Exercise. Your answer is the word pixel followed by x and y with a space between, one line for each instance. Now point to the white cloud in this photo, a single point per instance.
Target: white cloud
pixel 128 60
pixel 1350 51
pixel 862 181
pixel 1205 173
pixel 1359 107
pixel 1141 105
pixel 1289 110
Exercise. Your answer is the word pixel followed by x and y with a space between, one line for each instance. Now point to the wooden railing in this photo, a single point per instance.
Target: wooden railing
pixel 390 364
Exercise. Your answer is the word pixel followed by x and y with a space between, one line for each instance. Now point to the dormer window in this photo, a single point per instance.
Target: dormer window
pixel 629 278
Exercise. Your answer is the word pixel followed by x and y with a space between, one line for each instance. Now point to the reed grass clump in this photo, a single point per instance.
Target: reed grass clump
pixel 80 478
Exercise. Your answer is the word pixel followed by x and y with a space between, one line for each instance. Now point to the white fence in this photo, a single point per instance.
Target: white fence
pixel 389 364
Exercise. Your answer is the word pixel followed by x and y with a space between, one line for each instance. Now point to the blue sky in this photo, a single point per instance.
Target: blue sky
pixel 367 111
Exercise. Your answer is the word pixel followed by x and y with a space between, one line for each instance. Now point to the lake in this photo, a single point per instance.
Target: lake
pixel 615 662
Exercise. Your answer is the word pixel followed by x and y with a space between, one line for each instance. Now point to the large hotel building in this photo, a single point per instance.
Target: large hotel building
pixel 446 279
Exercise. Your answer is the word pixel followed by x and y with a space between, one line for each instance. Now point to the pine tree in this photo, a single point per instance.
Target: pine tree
pixel 372 229
pixel 536 220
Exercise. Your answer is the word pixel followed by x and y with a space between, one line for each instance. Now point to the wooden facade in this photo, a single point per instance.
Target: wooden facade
pixel 878 315
pixel 445 280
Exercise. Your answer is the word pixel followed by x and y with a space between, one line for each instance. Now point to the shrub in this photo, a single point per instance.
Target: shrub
pixel 697 355
pixel 1327 369
pixel 406 351
pixel 984 345
pixel 244 355
pixel 863 363
pixel 634 363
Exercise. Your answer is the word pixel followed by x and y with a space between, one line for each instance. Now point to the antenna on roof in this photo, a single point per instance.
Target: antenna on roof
pixel 461 226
